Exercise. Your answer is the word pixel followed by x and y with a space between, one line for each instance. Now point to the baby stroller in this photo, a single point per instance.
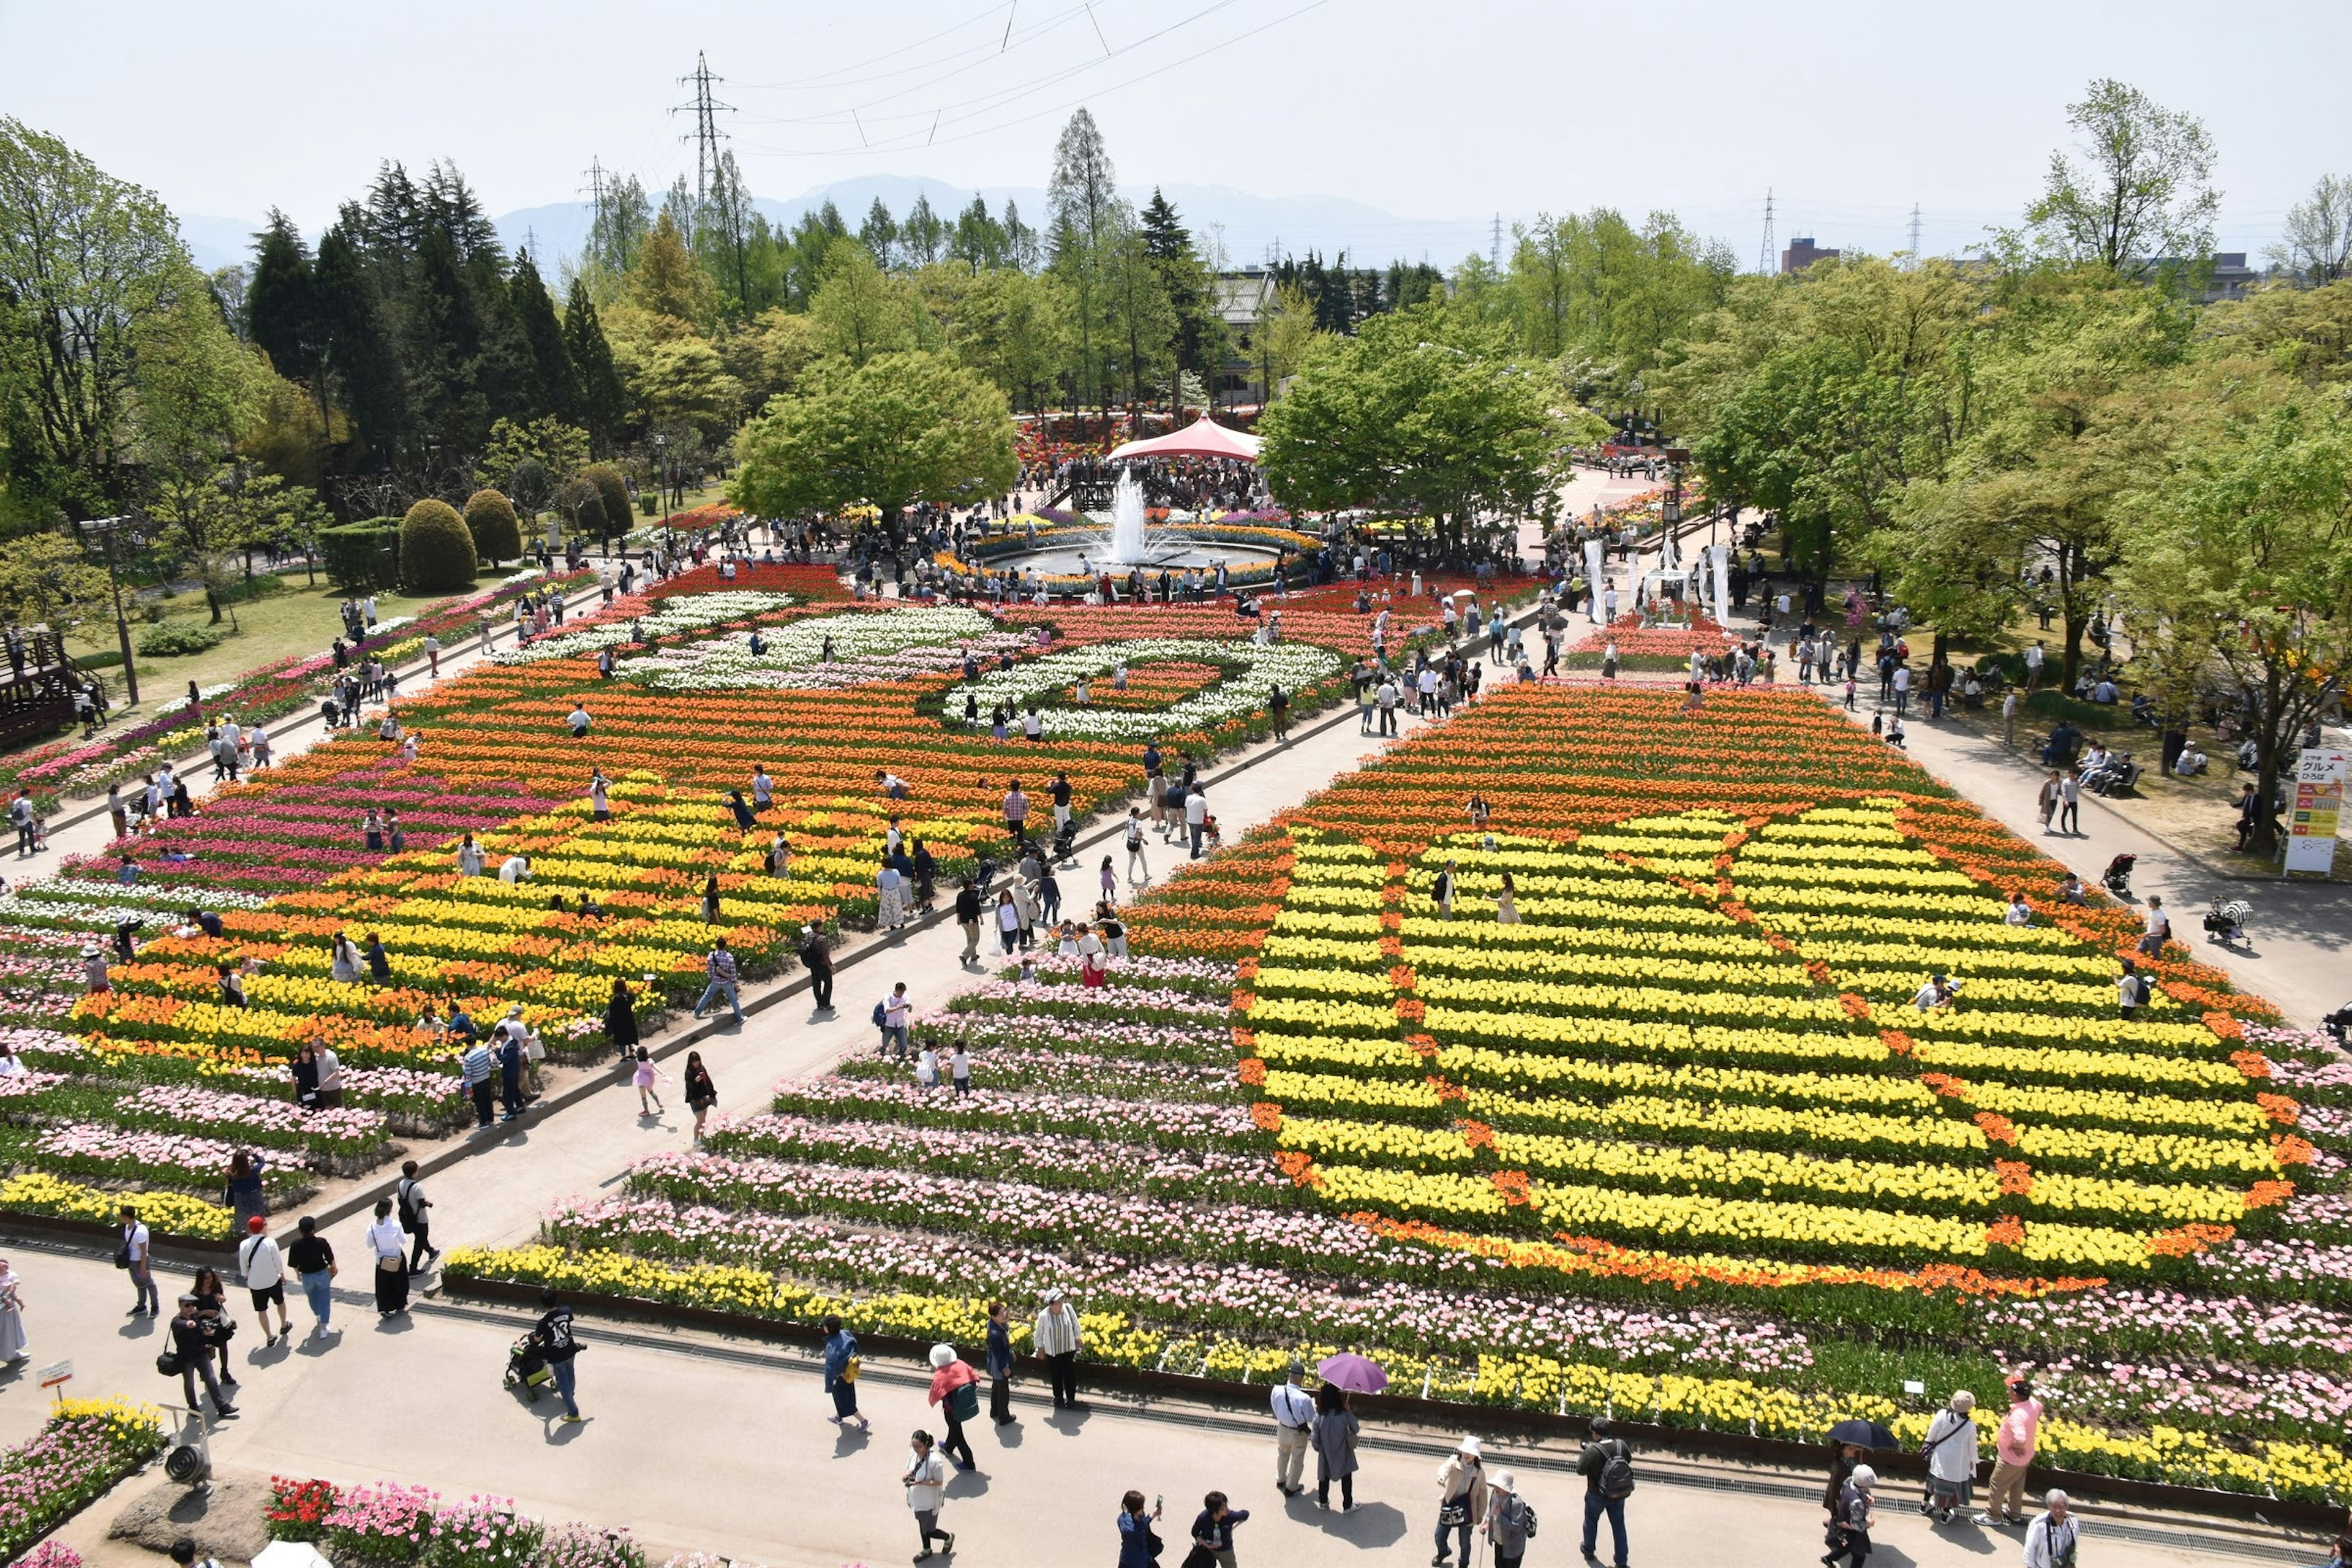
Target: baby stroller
pixel 2117 875
pixel 527 1369
pixel 2225 922
pixel 1066 843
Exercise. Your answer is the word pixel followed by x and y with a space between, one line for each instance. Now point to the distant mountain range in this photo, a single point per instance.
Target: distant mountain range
pixel 1248 227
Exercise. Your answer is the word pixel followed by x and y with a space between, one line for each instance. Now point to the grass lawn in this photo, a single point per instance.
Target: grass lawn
pixel 282 626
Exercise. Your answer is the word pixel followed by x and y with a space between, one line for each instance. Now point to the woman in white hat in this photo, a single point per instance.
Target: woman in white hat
pixel 1951 1453
pixel 1462 1500
pixel 1508 1519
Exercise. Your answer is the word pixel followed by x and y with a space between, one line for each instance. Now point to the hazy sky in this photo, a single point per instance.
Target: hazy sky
pixel 1851 112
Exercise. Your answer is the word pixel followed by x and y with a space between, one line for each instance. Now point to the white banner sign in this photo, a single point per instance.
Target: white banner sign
pixel 1594 576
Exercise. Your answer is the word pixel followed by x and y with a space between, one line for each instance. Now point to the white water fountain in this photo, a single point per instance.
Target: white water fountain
pixel 1127 541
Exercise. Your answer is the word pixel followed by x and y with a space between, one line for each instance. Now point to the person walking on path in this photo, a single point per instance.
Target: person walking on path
pixel 1055 1336
pixel 642 1078
pixel 1138 869
pixel 967 914
pixel 926 1481
pixel 1196 816
pixel 2159 928
pixel 841 1373
pixel 415 1212
pixel 474 1071
pixel 1334 1436
pixel 2051 1539
pixel 1461 1500
pixel 1952 1448
pixel 620 1020
pixel 1606 1463
pixel 725 979
pixel 1507 1518
pixel 263 1269
pixel 1212 1531
pixel 2047 800
pixel 1000 1349
pixel 1856 1512
pixel 191 1347
pixel 138 1256
pixel 816 957
pixel 313 1262
pixel 1294 1425
pixel 2070 805
pixel 1139 1545
pixel 390 1246
pixel 559 1345
pixel 701 1094
pixel 2009 719
pixel 509 1055
pixel 2013 1443
pixel 955 1389
pixel 13 1348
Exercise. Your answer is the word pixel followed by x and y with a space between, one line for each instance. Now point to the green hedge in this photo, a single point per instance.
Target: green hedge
pixel 2057 705
pixel 362 557
pixel 170 639
pixel 611 491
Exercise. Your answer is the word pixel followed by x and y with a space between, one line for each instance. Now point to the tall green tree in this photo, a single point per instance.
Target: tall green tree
pixel 1424 414
pixel 1141 317
pixel 86 261
pixel 359 352
pixel 1084 196
pixel 2141 192
pixel 281 306
pixel 899 428
pixel 880 234
pixel 1199 342
pixel 542 336
pixel 2239 575
pixel 603 402
pixel 860 311
pixel 2317 247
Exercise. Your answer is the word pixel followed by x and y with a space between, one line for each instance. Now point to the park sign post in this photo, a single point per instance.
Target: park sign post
pixel 2316 810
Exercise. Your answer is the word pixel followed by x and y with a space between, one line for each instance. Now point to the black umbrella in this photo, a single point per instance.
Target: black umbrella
pixel 1863 1434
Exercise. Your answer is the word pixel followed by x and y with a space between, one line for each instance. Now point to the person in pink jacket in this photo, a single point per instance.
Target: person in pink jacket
pixel 2013 1444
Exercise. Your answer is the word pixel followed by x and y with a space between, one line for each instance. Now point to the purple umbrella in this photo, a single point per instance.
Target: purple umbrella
pixel 1353 1373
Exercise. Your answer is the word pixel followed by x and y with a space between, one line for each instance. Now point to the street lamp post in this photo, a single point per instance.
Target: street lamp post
pixel 103 529
pixel 661 471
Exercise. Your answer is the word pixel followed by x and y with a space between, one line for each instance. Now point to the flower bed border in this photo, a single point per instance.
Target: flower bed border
pixel 91 1230
pixel 2080 1485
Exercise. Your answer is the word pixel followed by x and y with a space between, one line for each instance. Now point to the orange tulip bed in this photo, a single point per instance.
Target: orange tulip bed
pixel 357 838
pixel 1648 1105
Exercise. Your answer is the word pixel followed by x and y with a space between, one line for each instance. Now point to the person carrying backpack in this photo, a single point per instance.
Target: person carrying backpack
pixel 414 1208
pixel 955 1389
pixel 1607 1466
pixel 1510 1523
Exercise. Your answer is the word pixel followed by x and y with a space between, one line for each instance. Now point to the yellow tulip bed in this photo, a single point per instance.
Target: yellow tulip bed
pixel 1681 1140
pixel 359 839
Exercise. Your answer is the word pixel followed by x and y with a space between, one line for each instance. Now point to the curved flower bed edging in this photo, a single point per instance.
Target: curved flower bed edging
pixel 1250 666
pixel 88 1446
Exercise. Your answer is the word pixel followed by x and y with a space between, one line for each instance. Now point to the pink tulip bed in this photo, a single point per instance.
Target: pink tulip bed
pixel 87 1446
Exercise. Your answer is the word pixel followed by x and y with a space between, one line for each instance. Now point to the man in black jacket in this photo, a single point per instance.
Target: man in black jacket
pixel 192 1342
pixel 558 1345
pixel 818 957
pixel 968 916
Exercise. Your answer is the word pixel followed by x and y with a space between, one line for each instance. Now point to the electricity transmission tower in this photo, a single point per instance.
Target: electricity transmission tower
pixel 1764 251
pixel 1495 248
pixel 1915 234
pixel 705 134
pixel 595 173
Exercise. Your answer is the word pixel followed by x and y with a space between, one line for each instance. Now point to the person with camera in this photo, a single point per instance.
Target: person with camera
pixel 191 1356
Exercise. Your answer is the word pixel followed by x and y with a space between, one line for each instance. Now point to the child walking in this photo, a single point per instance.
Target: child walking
pixel 645 1076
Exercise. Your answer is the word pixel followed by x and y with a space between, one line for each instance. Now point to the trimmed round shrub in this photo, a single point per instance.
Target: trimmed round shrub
pixel 169 640
pixel 437 551
pixel 490 519
pixel 611 491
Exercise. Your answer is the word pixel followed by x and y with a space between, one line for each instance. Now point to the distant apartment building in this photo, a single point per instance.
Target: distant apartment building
pixel 1802 253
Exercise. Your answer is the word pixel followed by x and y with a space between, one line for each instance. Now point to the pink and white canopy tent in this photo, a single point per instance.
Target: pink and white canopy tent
pixel 1204 438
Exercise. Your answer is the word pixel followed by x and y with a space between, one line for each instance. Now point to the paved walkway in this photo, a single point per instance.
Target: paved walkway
pixel 2299 931
pixel 695 1441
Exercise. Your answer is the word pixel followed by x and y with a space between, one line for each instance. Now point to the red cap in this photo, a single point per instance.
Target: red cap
pixel 255 1225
